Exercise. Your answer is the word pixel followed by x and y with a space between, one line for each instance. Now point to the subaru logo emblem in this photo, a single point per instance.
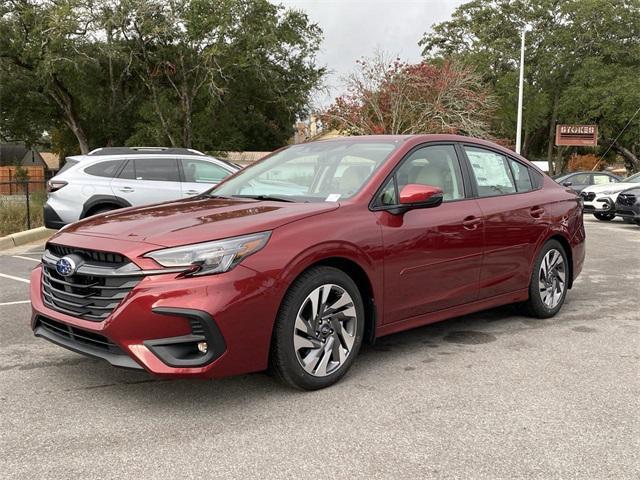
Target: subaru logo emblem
pixel 66 266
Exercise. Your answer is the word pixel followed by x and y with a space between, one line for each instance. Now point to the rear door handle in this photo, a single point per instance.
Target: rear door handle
pixel 127 189
pixel 471 223
pixel 191 192
pixel 536 212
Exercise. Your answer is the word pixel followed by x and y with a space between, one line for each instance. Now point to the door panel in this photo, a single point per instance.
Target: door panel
pixel 513 228
pixel 514 220
pixel 433 258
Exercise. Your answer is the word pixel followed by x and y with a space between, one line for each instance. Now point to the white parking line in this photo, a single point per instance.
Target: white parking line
pixel 27 258
pixel 11 277
pixel 14 303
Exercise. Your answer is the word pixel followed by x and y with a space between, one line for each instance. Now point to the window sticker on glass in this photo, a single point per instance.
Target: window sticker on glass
pixel 333 197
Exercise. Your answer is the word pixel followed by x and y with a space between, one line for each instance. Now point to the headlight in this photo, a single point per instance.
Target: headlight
pixel 212 257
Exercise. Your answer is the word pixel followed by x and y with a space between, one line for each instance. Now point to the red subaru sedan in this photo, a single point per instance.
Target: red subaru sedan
pixel 292 263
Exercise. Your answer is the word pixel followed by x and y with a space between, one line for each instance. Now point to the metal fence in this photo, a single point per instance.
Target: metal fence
pixel 19 200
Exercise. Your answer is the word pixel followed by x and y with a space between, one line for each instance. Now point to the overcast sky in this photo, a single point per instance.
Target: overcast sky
pixel 356 28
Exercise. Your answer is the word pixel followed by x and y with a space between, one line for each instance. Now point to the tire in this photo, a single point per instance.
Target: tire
pixel 540 305
pixel 310 351
pixel 605 217
pixel 629 221
pixel 100 210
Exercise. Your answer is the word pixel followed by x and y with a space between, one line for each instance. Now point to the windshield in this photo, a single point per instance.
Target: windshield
pixel 313 172
pixel 633 179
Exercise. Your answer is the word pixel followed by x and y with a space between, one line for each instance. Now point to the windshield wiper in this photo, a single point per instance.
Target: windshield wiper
pixel 266 197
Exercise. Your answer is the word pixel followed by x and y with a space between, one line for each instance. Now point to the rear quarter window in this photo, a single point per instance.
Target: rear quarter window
pixel 104 169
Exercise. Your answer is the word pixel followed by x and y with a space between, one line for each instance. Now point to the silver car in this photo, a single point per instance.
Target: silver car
pixel 111 178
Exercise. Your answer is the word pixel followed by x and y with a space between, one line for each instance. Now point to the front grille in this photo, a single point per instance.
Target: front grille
pixel 95 256
pixel 94 291
pixel 626 199
pixel 79 335
pixel 588 196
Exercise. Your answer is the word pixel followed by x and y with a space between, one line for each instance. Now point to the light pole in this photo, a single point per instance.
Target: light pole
pixel 520 89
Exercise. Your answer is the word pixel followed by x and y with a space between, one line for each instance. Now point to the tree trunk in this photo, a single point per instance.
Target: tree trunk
pixel 632 162
pixel 65 101
pixel 552 133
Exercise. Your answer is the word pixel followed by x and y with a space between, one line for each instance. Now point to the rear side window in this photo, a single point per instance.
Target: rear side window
pixel 199 171
pixel 491 171
pixel 104 169
pixel 520 176
pixel 157 169
pixel 128 172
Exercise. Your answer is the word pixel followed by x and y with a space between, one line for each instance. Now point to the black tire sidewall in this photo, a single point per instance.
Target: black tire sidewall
pixel 535 303
pixel 284 358
pixel 604 217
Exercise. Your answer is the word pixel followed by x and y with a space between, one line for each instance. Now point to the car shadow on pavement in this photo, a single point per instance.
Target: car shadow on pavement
pixel 428 344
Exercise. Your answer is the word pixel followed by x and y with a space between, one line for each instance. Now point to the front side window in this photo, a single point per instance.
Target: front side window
pixel 104 169
pixel 579 179
pixel 200 171
pixel 491 171
pixel 314 172
pixel 157 169
pixel 434 165
pixel 603 179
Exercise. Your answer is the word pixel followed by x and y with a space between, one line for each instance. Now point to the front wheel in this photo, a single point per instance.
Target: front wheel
pixel 319 329
pixel 549 281
pixel 605 217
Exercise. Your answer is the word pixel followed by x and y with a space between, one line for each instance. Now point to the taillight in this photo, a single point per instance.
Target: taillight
pixel 55 185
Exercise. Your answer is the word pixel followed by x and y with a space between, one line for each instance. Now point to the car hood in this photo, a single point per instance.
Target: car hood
pixel 196 220
pixel 610 187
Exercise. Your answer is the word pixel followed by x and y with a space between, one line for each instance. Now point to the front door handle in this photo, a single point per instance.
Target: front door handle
pixel 191 192
pixel 126 189
pixel 471 223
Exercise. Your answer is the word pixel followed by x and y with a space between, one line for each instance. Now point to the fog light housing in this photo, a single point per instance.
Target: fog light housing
pixel 203 347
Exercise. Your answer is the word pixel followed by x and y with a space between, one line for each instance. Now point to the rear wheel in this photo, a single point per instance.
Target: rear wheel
pixel 319 329
pixel 99 210
pixel 605 217
pixel 549 281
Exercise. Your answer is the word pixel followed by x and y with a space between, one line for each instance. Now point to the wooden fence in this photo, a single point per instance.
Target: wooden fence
pixel 11 185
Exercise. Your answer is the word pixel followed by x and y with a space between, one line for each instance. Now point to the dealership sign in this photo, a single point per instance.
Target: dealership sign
pixel 577 135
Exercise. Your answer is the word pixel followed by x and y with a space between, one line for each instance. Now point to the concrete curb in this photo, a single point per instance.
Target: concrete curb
pixel 20 238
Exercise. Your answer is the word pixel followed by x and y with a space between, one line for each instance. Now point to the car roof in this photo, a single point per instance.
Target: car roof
pixel 144 150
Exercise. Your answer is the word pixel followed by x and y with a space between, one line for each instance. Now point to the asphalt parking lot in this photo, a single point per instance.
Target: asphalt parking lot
pixel 492 395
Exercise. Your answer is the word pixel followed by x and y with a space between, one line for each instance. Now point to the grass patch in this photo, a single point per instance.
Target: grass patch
pixel 13 212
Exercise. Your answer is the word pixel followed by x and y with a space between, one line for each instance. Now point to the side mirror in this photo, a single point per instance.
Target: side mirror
pixel 567 184
pixel 415 195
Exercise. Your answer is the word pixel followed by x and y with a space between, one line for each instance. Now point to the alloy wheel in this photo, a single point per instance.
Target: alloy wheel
pixel 325 330
pixel 552 278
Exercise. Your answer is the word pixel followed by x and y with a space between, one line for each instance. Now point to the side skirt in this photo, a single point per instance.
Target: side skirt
pixel 432 317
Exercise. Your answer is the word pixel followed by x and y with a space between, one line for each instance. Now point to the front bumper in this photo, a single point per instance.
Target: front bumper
pixel 158 324
pixel 599 205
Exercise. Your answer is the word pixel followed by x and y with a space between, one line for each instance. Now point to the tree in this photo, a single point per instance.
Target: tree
pixel 197 73
pixel 580 59
pixel 394 97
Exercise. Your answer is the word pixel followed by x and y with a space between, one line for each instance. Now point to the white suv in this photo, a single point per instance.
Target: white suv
pixel 601 199
pixel 110 178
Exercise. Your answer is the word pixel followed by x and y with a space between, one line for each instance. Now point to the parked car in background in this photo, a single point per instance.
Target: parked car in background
pixel 578 181
pixel 627 204
pixel 295 261
pixel 600 200
pixel 111 178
